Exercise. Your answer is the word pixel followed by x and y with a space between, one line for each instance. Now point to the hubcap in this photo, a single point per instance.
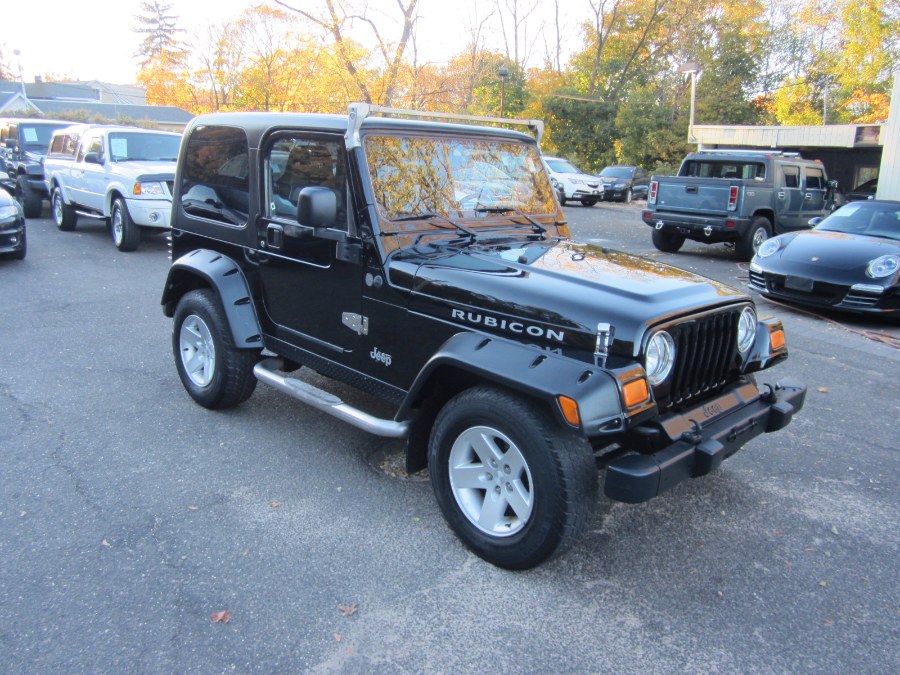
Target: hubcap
pixel 758 238
pixel 57 208
pixel 491 481
pixel 198 351
pixel 117 225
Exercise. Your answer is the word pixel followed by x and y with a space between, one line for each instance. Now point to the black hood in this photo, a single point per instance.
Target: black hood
pixel 556 292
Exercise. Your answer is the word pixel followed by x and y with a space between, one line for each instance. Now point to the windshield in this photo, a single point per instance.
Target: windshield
pixel 562 166
pixel 454 178
pixel 616 172
pixel 143 147
pixel 868 218
pixel 37 136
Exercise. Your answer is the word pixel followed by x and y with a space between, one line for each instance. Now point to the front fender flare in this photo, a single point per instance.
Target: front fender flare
pixel 534 372
pixel 225 277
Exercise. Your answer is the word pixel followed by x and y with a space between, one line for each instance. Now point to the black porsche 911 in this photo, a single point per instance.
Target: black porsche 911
pixel 12 228
pixel 849 261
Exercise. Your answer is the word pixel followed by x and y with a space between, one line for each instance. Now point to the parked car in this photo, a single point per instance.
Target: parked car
pixel 514 361
pixel 571 183
pixel 623 183
pixel 862 191
pixel 736 197
pixel 23 146
pixel 13 242
pixel 121 174
pixel 849 261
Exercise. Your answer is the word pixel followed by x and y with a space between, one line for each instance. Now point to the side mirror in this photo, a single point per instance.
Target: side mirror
pixel 92 158
pixel 317 207
pixel 815 221
pixel 11 144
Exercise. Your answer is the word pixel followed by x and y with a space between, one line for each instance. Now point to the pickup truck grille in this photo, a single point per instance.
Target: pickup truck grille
pixel 706 355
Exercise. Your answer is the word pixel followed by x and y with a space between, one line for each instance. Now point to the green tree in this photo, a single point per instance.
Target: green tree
pixel 160 30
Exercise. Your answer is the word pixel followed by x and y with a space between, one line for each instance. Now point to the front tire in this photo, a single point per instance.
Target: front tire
pixel 126 235
pixel 513 485
pixel 214 372
pixel 667 242
pixel 747 246
pixel 64 215
pixel 588 202
pixel 30 200
pixel 628 196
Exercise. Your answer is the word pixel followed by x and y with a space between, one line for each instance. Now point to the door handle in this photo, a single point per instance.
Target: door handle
pixel 807 197
pixel 274 236
pixel 781 195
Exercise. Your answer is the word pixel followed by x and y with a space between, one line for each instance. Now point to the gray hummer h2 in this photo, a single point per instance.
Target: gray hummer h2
pixel 736 197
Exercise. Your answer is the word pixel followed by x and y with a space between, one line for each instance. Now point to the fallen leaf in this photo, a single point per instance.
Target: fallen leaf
pixel 220 617
pixel 823 584
pixel 829 622
pixel 348 610
pixel 337 637
pixel 23 514
pixel 823 390
pixel 834 530
pixel 777 532
pixel 275 505
pixel 106 543
pixel 811 549
pixel 246 552
pixel 193 508
pixel 349 651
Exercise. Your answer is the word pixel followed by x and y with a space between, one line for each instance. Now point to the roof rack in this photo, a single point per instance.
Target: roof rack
pixel 360 111
pixel 742 151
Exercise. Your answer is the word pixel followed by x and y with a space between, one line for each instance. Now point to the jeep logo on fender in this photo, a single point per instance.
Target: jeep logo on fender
pixel 381 357
pixel 509 326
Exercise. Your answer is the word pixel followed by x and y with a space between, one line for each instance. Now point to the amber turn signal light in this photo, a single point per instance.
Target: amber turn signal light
pixel 569 410
pixel 136 190
pixel 776 340
pixel 635 392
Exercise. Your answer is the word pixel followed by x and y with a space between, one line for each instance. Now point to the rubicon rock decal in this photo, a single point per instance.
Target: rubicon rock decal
pixel 509 325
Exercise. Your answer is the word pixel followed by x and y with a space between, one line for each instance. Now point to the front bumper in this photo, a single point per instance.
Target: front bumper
pixel 12 236
pixel 700 449
pixel 150 212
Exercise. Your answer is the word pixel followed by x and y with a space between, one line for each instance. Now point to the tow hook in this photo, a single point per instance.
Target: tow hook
pixel 695 435
pixel 659 224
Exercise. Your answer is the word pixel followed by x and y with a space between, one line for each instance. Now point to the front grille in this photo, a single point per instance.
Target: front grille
pixel 705 355
pixel 855 298
pixel 757 281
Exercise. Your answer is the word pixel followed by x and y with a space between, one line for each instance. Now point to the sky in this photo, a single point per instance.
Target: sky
pixel 94 40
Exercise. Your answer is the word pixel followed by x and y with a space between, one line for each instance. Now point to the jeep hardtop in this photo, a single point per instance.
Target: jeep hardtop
pixel 426 261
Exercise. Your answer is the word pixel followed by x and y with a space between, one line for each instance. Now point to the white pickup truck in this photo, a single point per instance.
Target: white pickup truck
pixel 123 175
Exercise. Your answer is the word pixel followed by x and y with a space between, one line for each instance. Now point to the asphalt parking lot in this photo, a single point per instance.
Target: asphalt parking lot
pixel 131 518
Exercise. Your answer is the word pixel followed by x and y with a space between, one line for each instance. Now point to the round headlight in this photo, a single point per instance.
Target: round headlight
pixel 883 267
pixel 746 330
pixel 768 247
pixel 659 357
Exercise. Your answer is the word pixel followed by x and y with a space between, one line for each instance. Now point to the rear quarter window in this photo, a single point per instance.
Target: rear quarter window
pixel 215 180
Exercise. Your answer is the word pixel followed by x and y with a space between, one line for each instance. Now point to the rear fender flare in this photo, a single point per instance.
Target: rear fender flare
pixel 204 268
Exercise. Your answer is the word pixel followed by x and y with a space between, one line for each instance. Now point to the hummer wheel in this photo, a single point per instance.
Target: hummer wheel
pixel 667 241
pixel 513 485
pixel 213 371
pixel 747 246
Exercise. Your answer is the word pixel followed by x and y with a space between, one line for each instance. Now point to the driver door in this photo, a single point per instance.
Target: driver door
pixel 310 293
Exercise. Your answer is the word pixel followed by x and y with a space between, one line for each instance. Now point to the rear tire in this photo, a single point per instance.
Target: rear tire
pixel 588 202
pixel 513 485
pixel 31 201
pixel 667 241
pixel 64 215
pixel 214 372
pixel 746 247
pixel 126 235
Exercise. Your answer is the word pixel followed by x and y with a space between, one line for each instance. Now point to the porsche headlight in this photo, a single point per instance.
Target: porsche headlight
pixel 768 247
pixel 746 330
pixel 10 211
pixel 659 357
pixel 883 267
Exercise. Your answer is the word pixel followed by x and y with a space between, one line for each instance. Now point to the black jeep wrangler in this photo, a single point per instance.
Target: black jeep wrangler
pixel 428 263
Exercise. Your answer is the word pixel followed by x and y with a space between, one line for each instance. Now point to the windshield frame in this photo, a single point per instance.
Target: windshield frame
pixel 860 218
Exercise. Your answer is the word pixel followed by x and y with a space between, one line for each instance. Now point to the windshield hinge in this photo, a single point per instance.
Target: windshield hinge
pixel 356 322
pixel 604 339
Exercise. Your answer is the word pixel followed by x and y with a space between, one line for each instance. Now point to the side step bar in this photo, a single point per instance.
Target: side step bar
pixel 264 371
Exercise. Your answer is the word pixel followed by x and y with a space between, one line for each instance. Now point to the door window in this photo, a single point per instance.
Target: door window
pixel 294 162
pixel 790 176
pixel 815 179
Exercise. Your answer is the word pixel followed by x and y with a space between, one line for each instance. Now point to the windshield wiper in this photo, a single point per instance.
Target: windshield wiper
pixel 536 226
pixel 430 216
